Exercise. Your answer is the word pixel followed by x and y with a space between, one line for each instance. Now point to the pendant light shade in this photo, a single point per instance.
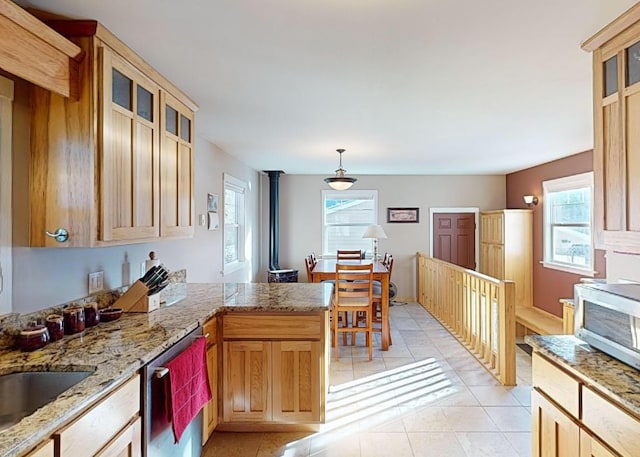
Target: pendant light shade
pixel 340 181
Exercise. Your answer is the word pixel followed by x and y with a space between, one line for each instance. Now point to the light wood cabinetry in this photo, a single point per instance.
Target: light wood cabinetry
pixel 104 166
pixel 274 370
pixel 176 171
pixel 553 433
pixel 616 107
pixel 210 411
pixel 44 450
pixel 128 443
pixel 572 418
pixel 111 427
pixel 506 247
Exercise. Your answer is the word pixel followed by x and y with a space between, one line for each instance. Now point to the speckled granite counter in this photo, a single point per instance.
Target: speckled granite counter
pixel 115 350
pixel 614 378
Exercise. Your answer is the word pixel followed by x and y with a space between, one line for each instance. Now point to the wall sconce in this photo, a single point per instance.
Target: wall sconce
pixel 530 200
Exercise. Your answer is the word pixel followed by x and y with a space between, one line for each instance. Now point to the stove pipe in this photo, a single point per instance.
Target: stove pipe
pixel 274 206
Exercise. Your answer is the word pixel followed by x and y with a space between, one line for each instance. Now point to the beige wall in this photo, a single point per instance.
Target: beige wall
pixel 48 276
pixel 301 215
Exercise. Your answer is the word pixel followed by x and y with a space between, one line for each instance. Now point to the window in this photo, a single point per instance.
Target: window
pixel 345 216
pixel 234 223
pixel 568 204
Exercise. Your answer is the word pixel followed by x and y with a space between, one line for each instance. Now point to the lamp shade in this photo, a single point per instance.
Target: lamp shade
pixel 374 231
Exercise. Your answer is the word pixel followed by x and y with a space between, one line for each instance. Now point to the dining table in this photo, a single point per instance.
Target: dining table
pixel 325 269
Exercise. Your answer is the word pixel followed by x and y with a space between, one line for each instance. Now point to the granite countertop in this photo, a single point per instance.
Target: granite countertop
pixel 608 375
pixel 116 350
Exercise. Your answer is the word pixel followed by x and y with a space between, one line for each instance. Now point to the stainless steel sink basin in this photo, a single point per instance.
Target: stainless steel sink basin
pixel 24 392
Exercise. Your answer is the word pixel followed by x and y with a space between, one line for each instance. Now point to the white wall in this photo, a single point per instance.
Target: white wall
pixel 43 277
pixel 622 266
pixel 301 215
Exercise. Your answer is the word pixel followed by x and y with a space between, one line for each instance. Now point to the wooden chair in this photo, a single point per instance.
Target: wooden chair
pixel 376 315
pixel 353 293
pixel 349 254
pixel 308 263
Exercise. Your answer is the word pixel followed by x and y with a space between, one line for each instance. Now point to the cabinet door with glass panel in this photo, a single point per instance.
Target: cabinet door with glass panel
pixel 129 188
pixel 176 168
pixel 616 94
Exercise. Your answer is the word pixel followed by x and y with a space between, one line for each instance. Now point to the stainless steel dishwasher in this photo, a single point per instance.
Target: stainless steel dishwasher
pixel 158 434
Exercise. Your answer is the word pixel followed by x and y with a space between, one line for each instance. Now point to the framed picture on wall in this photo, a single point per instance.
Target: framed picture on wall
pixel 403 215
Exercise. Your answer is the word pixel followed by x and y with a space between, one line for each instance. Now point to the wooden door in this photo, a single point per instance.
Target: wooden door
pixel 454 236
pixel 247 383
pixel 553 433
pixel 127 444
pixel 210 411
pixel 129 190
pixel 296 374
pixel 176 168
pixel 591 447
pixel 46 450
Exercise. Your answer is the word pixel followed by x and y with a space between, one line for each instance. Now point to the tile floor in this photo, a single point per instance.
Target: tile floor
pixel 426 396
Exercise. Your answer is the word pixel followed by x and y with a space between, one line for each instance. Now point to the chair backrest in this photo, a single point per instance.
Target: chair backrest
pixel 389 263
pixel 308 263
pixel 353 281
pixel 344 254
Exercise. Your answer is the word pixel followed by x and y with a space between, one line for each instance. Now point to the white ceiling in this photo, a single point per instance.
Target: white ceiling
pixel 405 86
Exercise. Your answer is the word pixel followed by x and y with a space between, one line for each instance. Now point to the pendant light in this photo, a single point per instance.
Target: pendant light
pixel 340 181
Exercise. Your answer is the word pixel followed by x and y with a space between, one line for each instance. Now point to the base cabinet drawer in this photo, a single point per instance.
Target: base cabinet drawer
pixel 614 426
pixel 556 384
pixel 100 424
pixel 127 444
pixel 44 450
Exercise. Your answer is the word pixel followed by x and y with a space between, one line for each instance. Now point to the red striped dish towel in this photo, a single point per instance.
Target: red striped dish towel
pixel 188 386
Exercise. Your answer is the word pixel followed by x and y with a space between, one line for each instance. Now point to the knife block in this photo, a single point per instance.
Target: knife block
pixel 136 300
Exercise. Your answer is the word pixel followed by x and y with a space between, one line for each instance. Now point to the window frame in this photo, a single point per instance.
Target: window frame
pixel 344 194
pixel 573 182
pixel 240 188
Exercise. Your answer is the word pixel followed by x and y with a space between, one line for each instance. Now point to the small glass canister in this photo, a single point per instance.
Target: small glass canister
pixel 33 337
pixel 73 319
pixel 55 325
pixel 91 316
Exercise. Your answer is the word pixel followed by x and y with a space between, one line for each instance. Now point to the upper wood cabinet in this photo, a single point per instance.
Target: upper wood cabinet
pixel 616 98
pixel 109 167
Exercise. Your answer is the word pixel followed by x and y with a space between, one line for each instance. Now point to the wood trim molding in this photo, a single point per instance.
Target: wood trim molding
pixel 624 21
pixel 37 53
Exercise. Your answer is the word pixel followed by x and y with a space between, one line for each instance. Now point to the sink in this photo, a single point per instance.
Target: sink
pixel 24 392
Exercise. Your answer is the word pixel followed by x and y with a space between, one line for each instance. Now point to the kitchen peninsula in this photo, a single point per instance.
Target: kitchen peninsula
pixel 288 322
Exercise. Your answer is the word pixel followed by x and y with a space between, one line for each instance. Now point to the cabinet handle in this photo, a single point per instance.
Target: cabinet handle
pixel 61 235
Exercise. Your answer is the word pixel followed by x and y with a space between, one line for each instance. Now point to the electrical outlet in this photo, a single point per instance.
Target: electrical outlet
pixel 143 268
pixel 96 282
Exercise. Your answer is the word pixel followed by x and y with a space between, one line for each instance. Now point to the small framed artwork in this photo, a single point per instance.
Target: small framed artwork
pixel 212 203
pixel 405 215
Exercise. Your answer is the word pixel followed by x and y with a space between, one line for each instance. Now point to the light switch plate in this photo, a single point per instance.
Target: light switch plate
pixel 96 282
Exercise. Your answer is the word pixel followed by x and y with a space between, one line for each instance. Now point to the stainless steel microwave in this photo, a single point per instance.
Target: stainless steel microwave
pixel 607 316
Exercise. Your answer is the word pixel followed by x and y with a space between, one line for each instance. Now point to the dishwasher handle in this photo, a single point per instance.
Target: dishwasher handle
pixel 161 372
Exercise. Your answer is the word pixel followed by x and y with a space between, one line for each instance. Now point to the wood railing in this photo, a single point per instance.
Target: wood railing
pixel 478 310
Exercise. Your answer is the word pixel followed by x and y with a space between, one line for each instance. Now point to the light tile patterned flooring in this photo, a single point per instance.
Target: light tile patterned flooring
pixel 426 396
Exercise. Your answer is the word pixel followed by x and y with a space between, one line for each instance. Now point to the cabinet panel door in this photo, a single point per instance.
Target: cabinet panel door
pixel 296 377
pixel 591 447
pixel 45 450
pixel 247 389
pixel 210 411
pixel 127 444
pixel 176 164
pixel 553 433
pixel 129 190
pixel 632 120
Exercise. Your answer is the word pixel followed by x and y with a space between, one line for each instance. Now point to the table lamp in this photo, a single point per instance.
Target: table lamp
pixel 375 232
